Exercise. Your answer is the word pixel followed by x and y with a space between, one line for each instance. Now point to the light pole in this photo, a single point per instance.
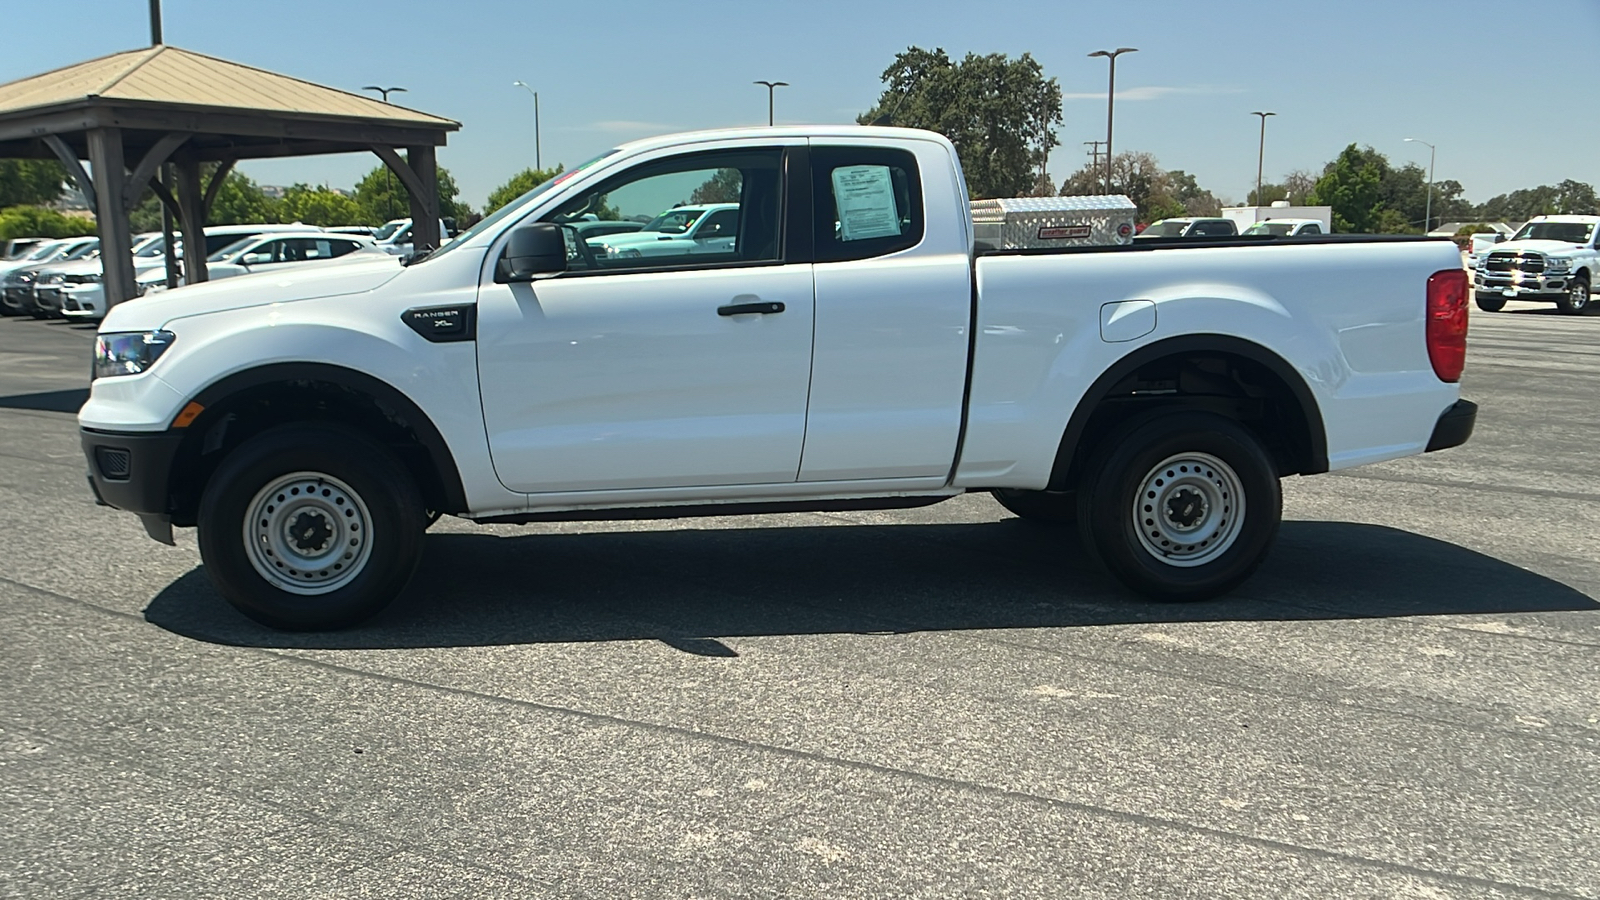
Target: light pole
pixel 388 188
pixel 385 91
pixel 1433 151
pixel 771 87
pixel 1111 100
pixel 538 161
pixel 1261 157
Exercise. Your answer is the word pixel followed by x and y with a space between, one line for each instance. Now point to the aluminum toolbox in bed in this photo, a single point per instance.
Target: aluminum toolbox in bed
pixel 1032 223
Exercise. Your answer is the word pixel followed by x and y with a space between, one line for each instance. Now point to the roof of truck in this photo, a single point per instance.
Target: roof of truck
pixel 857 132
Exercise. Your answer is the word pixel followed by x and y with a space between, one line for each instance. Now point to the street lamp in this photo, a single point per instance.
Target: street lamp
pixel 388 187
pixel 1427 224
pixel 538 162
pixel 1262 156
pixel 1111 100
pixel 771 86
pixel 385 91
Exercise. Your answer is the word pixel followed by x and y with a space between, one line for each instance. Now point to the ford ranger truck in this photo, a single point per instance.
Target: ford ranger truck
pixel 1553 259
pixel 849 349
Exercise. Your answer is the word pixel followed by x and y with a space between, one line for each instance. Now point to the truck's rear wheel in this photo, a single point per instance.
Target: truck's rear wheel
pixel 1060 507
pixel 308 527
pixel 1491 302
pixel 1576 300
pixel 1180 505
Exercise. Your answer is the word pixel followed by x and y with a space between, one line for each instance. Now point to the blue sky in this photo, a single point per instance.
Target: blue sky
pixel 1354 71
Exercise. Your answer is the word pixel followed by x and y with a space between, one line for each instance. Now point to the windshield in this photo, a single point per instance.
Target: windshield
pixel 1567 232
pixel 1166 228
pixel 674 221
pixel 513 208
pixel 233 248
pixel 1276 228
pixel 388 228
pixel 44 251
pixel 83 251
pixel 150 247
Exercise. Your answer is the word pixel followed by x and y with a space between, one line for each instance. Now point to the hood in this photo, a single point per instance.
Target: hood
pixel 1549 248
pixel 628 238
pixel 300 283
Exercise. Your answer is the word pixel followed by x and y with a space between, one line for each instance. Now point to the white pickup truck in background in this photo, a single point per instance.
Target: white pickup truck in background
pixel 1551 258
pixel 848 349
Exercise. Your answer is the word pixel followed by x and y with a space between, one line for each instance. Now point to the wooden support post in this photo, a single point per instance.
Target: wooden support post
pixel 424 208
pixel 116 244
pixel 192 221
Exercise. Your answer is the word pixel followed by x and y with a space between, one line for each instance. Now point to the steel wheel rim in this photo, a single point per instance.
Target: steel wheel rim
pixel 1579 293
pixel 1189 510
pixel 308 533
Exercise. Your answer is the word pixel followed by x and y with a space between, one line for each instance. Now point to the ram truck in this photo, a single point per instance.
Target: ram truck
pixel 850 349
pixel 1554 259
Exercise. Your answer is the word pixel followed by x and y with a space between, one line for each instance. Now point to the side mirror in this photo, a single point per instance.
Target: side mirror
pixel 537 249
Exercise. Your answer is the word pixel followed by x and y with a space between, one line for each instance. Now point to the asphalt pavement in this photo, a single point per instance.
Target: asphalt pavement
pixel 945 702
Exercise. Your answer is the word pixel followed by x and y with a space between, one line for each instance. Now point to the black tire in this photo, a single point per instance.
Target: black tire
pixel 1575 302
pixel 1491 302
pixel 361 511
pixel 1058 507
pixel 1224 548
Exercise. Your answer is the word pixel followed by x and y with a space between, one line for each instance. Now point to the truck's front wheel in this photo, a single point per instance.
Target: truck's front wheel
pixel 1491 302
pixel 308 527
pixel 1180 505
pixel 1576 301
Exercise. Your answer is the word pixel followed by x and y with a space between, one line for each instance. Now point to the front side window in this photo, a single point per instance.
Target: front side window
pixel 867 202
pixel 694 210
pixel 261 255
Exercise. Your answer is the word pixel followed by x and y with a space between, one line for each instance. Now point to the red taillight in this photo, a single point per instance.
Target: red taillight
pixel 1447 323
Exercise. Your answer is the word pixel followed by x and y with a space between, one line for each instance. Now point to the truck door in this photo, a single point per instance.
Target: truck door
pixel 894 304
pixel 657 371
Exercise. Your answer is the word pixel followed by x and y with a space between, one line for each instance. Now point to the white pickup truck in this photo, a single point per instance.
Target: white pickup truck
pixel 1552 258
pixel 850 349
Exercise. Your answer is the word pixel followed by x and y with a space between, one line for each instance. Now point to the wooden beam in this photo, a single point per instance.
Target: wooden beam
pixel 402 170
pixel 192 206
pixel 69 160
pixel 162 194
pixel 217 178
pixel 424 203
pixel 39 125
pixel 212 121
pixel 116 244
pixel 146 170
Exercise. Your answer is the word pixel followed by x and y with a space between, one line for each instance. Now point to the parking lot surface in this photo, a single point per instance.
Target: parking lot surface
pixel 945 702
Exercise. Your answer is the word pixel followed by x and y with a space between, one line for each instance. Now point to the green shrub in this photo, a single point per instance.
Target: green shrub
pixel 37 221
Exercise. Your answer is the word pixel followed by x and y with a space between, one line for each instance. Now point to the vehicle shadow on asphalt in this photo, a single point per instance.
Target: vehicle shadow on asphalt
pixel 66 401
pixel 688 587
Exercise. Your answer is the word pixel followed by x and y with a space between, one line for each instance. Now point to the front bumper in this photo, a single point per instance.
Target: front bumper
pixel 1520 284
pixel 1454 426
pixel 132 471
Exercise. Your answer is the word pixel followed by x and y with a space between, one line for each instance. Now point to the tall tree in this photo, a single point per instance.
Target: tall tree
pixel 1567 198
pixel 1000 113
pixel 319 206
pixel 33 182
pixel 1157 193
pixel 519 184
pixel 1353 186
pixel 241 202
pixel 722 187
pixel 382 197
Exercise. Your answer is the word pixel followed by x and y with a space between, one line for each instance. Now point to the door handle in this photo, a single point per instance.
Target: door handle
pixel 764 308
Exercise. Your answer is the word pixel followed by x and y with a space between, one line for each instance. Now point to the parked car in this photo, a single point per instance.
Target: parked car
pixel 16 248
pixel 154 277
pixel 16 285
pixel 363 230
pixel 1552 259
pixel 708 228
pixel 1286 227
pixel 271 252
pixel 1187 227
pixel 394 237
pixel 849 349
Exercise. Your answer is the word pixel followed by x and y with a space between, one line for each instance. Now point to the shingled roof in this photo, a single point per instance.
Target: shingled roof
pixel 170 77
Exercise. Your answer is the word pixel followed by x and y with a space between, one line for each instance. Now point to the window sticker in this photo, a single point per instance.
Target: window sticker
pixel 864 196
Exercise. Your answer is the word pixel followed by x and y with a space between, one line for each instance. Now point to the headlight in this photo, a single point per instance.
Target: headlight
pixel 129 353
pixel 1558 265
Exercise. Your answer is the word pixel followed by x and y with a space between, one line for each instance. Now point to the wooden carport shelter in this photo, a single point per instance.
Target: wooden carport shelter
pixel 130 113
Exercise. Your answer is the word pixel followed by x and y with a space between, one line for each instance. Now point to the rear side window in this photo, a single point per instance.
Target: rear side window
pixel 867 202
pixel 1311 229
